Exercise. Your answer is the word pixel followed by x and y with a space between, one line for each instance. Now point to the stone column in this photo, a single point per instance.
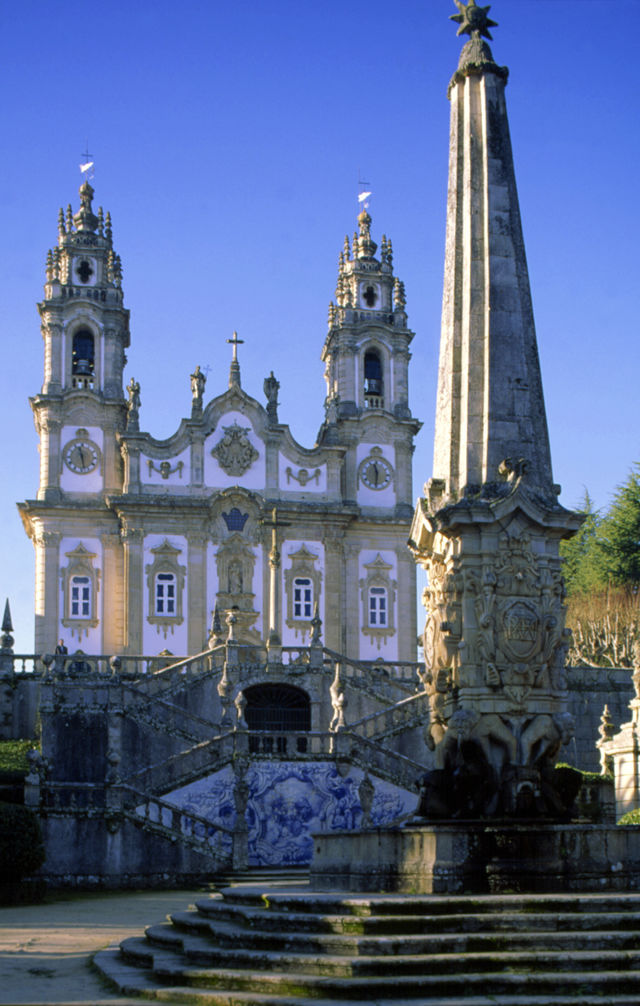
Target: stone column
pixel 196 591
pixel 53 377
pixel 197 457
pixel 133 541
pixel 275 639
pixel 333 616
pixel 406 611
pixel 400 364
pixel 130 451
pixel 47 609
pixel 113 631
pixel 49 428
pixel 352 605
pixel 403 474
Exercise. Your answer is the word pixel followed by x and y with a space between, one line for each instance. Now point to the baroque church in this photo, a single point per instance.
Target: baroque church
pixel 146 546
pixel 225 646
pixel 226 619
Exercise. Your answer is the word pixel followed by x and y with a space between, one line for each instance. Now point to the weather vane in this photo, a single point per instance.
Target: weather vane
pixel 473 20
pixel 363 196
pixel 87 166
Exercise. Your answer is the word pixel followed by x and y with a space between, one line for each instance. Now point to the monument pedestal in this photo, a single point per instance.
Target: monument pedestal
pixel 479 857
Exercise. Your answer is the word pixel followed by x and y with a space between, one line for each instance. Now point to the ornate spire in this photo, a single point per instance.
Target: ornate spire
pixel 85 219
pixel 234 369
pixel 366 247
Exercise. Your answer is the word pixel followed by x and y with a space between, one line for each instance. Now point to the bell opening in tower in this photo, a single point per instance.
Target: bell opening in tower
pixel 373 383
pixel 83 359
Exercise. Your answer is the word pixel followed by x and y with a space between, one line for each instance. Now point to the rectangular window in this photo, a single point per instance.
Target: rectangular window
pixel 80 597
pixel 377 607
pixel 302 598
pixel 166 594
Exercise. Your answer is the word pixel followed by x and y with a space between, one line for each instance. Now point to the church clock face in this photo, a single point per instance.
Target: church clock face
pixel 375 472
pixel 81 456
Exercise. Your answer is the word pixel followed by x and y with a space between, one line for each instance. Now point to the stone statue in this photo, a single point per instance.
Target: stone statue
pixel 133 405
pixel 198 381
pixel 271 387
pixel 235 578
pixel 542 738
pixel 338 703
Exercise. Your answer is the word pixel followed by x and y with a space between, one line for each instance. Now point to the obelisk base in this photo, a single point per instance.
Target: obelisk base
pixel 479 857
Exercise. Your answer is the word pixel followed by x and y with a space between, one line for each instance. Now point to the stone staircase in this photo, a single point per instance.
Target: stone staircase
pixel 283 944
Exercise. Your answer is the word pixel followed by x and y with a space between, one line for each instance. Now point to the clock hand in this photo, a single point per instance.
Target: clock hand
pixel 81 453
pixel 375 474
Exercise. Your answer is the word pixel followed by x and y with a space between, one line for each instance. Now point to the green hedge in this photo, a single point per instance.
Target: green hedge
pixel 13 755
pixel 21 848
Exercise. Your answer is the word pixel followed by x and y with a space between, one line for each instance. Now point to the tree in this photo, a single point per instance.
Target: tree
pixel 619 536
pixel 583 568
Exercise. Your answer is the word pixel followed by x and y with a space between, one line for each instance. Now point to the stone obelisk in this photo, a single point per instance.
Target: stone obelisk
pixel 488 529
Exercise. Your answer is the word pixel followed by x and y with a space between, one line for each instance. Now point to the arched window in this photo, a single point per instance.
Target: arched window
pixel 378 609
pixel 303 597
pixel 165 594
pixel 277 708
pixel 83 359
pixel 373 382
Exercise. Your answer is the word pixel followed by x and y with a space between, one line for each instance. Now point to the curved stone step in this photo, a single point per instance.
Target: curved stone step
pixel 227 935
pixel 167 971
pixel 198 953
pixel 252 916
pixel 288 945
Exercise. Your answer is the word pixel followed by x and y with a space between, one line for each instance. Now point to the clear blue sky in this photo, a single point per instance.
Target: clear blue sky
pixel 228 140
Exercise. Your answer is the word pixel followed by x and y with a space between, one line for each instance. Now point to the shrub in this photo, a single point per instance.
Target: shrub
pixel 13 755
pixel 631 817
pixel 21 848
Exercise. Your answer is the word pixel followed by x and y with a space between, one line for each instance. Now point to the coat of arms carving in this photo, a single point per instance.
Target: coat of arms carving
pixel 234 452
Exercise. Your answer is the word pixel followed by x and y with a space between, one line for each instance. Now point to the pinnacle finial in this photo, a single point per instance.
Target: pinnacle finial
pixel 473 20
pixel 234 368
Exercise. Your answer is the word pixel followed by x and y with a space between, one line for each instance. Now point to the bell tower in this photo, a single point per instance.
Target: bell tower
pixel 85 328
pixel 366 352
pixel 366 356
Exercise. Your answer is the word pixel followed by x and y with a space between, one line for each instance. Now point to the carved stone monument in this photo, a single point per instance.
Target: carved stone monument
pixel 488 529
pixel 494 814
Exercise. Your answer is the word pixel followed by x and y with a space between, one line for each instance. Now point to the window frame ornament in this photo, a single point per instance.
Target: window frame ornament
pixel 165 560
pixel 80 565
pixel 378 575
pixel 303 567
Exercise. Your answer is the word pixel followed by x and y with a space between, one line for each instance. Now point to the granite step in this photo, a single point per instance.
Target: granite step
pixel 432 904
pixel 132 982
pixel 168 971
pixel 228 936
pixel 286 945
pixel 274 919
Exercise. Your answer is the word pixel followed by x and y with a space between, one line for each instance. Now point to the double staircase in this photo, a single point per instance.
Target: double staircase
pixel 281 944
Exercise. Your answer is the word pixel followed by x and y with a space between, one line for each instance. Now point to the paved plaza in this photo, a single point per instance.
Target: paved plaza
pixel 46 949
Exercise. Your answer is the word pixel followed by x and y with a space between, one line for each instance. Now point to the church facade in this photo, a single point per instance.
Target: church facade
pixel 149 546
